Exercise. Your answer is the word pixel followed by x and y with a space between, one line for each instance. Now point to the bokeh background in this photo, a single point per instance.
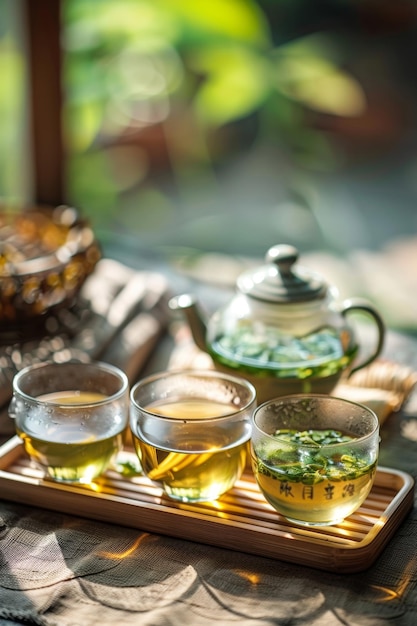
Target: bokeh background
pixel 206 131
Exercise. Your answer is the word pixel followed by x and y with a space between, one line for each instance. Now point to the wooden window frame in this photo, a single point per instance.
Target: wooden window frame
pixel 42 21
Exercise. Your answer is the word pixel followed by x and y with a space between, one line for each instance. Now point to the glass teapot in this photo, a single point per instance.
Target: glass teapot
pixel 284 329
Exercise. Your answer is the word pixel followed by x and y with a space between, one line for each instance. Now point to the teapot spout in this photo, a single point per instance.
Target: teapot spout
pixel 188 305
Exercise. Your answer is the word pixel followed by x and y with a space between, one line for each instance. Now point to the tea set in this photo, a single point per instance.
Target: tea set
pixel 283 335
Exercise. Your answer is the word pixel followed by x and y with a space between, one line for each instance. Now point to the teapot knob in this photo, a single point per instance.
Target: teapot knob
pixel 283 256
pixel 278 281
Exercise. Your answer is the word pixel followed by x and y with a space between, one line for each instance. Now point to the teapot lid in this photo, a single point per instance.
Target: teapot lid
pixel 279 281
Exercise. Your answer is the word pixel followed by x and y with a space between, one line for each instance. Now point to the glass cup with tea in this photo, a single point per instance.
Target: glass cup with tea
pixel 191 431
pixel 71 417
pixel 314 456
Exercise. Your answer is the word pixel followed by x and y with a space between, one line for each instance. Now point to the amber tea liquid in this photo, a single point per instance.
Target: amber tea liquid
pixel 194 476
pixel 71 451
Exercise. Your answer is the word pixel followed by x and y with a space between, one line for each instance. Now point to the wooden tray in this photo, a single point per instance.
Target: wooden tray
pixel 241 520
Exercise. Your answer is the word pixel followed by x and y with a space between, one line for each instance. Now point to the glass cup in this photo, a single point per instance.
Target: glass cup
pixel 191 431
pixel 70 417
pixel 314 456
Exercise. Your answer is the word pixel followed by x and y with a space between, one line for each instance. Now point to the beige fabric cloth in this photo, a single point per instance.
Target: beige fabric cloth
pixel 119 318
pixel 64 571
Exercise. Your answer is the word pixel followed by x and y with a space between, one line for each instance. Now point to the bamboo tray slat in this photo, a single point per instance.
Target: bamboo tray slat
pixel 240 520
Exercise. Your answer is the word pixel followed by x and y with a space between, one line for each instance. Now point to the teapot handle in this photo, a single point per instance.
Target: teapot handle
pixel 357 304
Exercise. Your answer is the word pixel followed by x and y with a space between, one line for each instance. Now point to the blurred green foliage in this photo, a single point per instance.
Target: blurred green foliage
pixel 12 108
pixel 175 79
pixel 216 57
pixel 171 88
